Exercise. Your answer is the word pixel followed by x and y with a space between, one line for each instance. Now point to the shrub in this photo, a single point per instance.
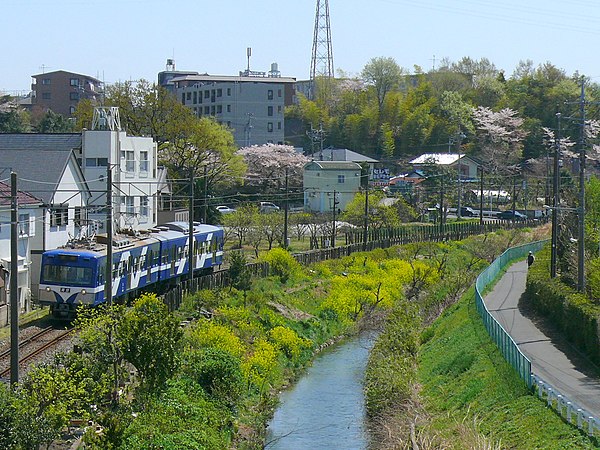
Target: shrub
pixel 209 334
pixel 288 341
pixel 217 371
pixel 260 367
pixel 282 264
pixel 571 312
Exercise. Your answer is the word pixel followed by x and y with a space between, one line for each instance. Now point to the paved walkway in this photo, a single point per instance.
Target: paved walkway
pixel 552 358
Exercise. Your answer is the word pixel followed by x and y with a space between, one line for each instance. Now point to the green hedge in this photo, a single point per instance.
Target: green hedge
pixel 571 312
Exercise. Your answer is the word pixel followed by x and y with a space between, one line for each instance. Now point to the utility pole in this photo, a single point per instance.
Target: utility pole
pixel 514 197
pixel 205 208
pixel 366 224
pixel 191 255
pixel 14 283
pixel 442 204
pixel 108 294
pixel 335 202
pixel 555 201
pixel 481 198
pixel 581 237
pixel 286 212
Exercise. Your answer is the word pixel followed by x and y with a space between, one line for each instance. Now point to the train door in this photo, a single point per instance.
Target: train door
pixel 149 259
pixel 173 254
pixel 129 272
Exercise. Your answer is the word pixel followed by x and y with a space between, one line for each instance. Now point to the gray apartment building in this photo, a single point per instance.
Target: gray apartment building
pixel 251 104
pixel 61 91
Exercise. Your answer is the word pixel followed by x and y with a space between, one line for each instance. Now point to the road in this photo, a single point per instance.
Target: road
pixel 553 359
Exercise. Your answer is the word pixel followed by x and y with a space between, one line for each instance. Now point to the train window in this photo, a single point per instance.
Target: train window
pixel 71 275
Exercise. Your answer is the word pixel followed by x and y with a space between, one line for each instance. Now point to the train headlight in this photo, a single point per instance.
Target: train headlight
pixel 83 291
pixel 47 288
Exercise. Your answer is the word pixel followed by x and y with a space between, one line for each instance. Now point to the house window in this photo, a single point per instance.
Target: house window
pixel 341 179
pixel 279 109
pixel 183 98
pixel 74 81
pixel 46 81
pixel 102 162
pixel 212 110
pixel 188 96
pixel 74 95
pixel 219 109
pixel 144 206
pixel 279 125
pixel 91 162
pixel 270 127
pixel 219 92
pixel 71 110
pixel 195 97
pixel 129 161
pixel 229 92
pixel 130 205
pixel 143 161
pixel 24 224
pixel 46 95
pixel 270 94
pixel 269 111
pixel 206 94
pixel 59 216
pixel 228 108
pixel 279 93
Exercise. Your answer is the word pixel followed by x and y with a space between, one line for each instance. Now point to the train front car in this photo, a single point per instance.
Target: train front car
pixel 69 278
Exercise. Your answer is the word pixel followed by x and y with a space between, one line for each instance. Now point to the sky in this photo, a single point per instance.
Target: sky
pixel 119 40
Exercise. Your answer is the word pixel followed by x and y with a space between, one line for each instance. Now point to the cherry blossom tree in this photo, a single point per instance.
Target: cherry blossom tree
pixel 267 165
pixel 500 136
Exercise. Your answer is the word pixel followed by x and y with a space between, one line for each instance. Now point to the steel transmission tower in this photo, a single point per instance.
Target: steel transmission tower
pixel 321 64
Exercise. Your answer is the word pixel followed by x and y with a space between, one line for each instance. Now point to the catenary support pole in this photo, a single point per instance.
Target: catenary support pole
pixel 555 202
pixel 14 283
pixel 108 293
pixel 286 212
pixel 191 255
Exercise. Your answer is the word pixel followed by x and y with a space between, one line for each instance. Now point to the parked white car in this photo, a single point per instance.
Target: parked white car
pixel 225 209
pixel 267 207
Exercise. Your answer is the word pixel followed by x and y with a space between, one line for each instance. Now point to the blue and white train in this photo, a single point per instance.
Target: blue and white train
pixel 76 276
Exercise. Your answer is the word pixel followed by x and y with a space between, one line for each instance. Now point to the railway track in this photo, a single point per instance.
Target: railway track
pixel 33 347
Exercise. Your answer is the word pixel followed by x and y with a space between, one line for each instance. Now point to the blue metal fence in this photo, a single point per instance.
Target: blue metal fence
pixel 505 343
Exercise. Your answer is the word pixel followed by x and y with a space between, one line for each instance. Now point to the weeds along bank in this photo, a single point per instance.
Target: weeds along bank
pixel 445 384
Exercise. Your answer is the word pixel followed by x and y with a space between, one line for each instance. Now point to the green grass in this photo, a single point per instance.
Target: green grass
pixel 464 378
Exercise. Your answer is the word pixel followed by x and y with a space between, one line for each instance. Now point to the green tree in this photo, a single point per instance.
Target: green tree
pixel 150 339
pixel 8 418
pixel 14 121
pixel 239 275
pixel 384 74
pixel 380 215
pixel 52 122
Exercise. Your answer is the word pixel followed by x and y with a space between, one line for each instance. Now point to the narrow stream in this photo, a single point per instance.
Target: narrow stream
pixel 325 409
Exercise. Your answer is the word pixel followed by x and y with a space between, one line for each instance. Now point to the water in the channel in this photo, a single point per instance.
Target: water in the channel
pixel 325 409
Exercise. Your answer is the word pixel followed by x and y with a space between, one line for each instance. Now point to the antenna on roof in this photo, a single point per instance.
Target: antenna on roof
pixel 248 55
pixel 43 68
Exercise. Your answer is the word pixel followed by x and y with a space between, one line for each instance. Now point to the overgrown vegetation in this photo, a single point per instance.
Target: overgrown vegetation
pixel 446 385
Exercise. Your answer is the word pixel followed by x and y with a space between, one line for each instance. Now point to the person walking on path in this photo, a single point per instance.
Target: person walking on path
pixel 530 259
